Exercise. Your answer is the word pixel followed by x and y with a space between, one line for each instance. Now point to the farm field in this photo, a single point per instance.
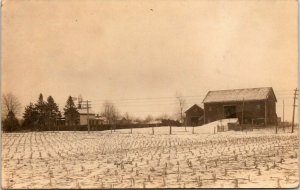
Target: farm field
pixel 259 158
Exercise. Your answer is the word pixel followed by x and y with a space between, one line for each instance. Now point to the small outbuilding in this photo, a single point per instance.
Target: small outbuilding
pixel 194 116
pixel 84 117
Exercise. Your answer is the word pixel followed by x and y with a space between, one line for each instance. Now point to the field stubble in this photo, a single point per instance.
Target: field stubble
pixel 142 160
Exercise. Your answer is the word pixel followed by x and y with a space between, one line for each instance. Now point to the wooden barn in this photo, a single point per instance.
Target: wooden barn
pixel 250 106
pixel 194 116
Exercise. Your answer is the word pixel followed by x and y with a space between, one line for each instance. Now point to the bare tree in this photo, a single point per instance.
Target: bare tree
pixel 181 102
pixel 165 118
pixel 128 118
pixel 110 113
pixel 10 104
pixel 148 119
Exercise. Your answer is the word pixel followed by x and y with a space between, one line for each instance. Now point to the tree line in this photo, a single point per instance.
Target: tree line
pixel 43 113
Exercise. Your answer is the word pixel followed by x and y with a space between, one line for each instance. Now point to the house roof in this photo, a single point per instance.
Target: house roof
pixel 192 107
pixel 84 112
pixel 247 94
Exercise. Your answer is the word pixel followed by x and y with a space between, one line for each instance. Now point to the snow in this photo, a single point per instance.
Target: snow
pixel 119 159
pixel 211 127
pixel 237 95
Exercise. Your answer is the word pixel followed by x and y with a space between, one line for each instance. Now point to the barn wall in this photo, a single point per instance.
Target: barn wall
pixel 272 116
pixel 252 110
pixel 189 114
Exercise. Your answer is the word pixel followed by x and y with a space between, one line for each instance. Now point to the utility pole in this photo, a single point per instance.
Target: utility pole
pixel 294 105
pixel 88 114
pixel 242 122
pixel 283 116
pixel 170 127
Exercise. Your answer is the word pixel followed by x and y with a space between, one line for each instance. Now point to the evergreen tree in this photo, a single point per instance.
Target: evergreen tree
pixel 52 111
pixel 30 116
pixel 71 113
pixel 41 109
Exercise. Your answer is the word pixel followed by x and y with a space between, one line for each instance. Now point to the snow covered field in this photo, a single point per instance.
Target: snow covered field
pixel 259 158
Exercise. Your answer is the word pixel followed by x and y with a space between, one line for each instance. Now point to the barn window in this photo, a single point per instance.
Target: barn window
pixel 258 107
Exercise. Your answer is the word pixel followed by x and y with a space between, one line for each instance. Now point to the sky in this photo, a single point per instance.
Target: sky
pixel 139 54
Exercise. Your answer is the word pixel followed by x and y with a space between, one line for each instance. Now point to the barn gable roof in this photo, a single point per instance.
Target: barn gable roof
pixel 192 107
pixel 247 94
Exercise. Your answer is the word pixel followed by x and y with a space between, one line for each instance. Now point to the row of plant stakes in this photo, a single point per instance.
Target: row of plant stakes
pixel 114 161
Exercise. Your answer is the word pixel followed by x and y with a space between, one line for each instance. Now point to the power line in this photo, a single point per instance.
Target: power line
pixel 163 98
pixel 156 98
pixel 198 100
pixel 169 101
pixel 278 94
pixel 149 103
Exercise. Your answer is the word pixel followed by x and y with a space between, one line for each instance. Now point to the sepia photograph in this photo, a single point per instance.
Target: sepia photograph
pixel 113 94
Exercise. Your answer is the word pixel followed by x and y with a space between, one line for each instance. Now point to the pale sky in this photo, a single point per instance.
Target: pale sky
pixel 146 51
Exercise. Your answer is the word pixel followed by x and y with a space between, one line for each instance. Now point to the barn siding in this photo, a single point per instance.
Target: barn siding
pixel 252 110
pixel 190 113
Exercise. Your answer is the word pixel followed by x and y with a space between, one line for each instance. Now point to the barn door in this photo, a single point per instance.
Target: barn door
pixel 230 112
